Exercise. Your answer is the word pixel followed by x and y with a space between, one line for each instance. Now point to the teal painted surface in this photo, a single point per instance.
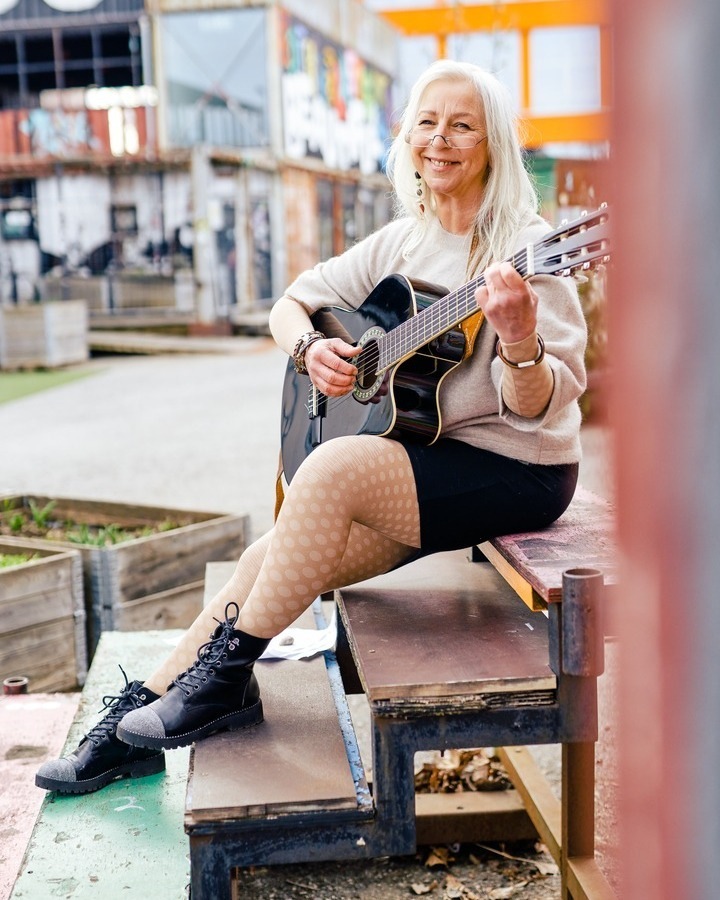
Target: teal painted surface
pixel 126 840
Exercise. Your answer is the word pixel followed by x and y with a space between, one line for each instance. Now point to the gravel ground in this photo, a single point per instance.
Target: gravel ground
pixel 201 432
pixel 473 873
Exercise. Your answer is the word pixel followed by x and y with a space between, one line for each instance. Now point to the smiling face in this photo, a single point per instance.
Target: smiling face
pixel 455 176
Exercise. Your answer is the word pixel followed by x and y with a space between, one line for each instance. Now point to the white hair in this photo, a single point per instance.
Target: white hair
pixel 509 198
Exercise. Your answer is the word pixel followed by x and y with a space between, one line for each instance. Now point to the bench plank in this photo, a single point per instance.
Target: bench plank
pixel 584 536
pixel 294 761
pixel 394 622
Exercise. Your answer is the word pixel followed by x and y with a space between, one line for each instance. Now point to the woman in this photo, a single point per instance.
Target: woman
pixel 506 460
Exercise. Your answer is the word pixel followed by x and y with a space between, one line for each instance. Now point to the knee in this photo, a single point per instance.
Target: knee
pixel 329 461
pixel 252 556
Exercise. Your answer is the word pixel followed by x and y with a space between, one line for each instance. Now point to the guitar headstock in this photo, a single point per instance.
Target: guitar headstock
pixel 581 244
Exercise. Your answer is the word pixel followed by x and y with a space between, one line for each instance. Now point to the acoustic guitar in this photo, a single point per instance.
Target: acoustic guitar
pixel 409 333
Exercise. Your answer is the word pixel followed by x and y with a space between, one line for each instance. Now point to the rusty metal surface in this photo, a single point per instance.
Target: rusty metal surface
pixel 583 536
pixel 491 644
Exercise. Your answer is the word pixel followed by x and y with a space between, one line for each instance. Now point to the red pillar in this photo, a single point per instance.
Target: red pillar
pixel 664 337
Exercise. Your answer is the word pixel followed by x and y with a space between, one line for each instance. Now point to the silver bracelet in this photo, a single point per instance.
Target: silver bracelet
pixel 523 365
pixel 301 347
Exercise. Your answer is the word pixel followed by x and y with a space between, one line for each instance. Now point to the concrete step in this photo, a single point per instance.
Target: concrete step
pixel 126 840
pixel 33 728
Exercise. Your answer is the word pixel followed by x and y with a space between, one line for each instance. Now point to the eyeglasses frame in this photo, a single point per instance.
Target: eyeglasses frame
pixel 431 141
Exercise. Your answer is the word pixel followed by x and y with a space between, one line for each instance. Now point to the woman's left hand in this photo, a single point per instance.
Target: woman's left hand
pixel 509 303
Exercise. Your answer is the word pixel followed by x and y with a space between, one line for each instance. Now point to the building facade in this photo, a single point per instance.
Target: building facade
pixel 182 158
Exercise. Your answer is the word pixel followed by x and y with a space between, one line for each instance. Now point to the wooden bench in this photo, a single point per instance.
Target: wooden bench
pixel 447 658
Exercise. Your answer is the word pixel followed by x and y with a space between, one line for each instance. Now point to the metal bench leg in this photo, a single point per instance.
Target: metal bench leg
pixel 393 787
pixel 210 877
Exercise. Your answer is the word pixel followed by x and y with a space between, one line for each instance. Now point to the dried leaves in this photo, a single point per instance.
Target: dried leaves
pixel 455 889
pixel 452 889
pixel 455 771
pixel 518 870
pixel 462 770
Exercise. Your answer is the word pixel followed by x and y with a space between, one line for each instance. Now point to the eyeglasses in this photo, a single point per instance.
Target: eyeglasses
pixel 423 137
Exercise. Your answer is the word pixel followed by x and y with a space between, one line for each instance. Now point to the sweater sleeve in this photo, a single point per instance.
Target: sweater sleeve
pixel 561 324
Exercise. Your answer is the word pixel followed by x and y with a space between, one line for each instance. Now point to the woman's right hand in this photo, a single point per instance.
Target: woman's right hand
pixel 327 363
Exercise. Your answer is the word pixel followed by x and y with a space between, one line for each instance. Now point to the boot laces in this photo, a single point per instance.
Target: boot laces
pixel 117 705
pixel 210 654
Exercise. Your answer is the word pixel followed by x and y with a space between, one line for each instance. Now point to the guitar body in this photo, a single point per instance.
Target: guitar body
pixel 400 402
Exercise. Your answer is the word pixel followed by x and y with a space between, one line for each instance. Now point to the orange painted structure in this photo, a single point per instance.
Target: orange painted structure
pixel 442 21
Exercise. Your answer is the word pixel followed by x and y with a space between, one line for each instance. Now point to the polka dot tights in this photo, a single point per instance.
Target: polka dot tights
pixel 350 513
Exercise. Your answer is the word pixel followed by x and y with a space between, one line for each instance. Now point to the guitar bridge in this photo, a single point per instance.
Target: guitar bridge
pixel 316 409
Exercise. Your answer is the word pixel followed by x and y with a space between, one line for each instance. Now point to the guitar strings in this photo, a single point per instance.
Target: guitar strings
pixel 454 307
pixel 448 311
pixel 423 327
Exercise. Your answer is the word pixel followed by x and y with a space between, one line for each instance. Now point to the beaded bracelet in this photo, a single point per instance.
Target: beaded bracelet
pixel 301 347
pixel 523 365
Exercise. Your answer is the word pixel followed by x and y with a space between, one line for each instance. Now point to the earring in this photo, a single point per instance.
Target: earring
pixel 418 185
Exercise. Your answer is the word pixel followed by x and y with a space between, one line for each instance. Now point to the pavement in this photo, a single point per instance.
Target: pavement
pixel 200 431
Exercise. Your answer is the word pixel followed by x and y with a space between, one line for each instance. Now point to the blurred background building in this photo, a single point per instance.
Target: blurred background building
pixel 179 161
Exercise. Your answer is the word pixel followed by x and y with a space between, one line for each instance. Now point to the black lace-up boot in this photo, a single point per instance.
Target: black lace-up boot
pixel 100 757
pixel 219 692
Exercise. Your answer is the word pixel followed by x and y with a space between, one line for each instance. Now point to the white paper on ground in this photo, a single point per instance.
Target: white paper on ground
pixel 301 643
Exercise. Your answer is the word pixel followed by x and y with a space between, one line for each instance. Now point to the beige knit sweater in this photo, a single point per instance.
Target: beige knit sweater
pixel 471 402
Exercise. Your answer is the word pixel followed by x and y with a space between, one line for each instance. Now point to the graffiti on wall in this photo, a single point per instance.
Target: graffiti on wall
pixel 335 106
pixel 71 133
pixel 57 132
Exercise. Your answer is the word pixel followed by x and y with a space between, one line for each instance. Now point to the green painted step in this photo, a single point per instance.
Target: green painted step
pixel 126 840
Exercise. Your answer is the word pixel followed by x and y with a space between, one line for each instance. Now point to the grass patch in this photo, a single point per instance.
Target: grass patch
pixel 15 385
pixel 15 559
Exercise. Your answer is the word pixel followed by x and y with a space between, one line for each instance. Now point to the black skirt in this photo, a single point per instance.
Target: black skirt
pixel 467 495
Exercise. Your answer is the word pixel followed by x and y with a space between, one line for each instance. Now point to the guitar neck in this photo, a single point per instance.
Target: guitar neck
pixel 452 309
pixel 575 245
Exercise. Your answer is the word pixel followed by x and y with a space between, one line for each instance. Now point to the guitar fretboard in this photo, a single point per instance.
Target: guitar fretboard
pixel 408 337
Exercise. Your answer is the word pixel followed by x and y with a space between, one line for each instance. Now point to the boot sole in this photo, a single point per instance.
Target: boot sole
pixel 138 769
pixel 253 715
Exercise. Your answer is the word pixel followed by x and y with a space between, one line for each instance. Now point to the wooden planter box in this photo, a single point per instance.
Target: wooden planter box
pixel 43 335
pixel 93 289
pixel 147 582
pixel 42 618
